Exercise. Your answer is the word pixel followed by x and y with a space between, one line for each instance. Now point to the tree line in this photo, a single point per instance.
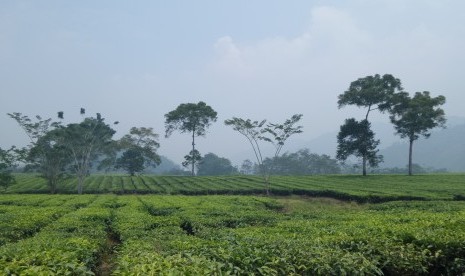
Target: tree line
pixel 57 150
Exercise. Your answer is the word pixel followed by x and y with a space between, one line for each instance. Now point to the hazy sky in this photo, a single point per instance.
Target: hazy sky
pixel 134 61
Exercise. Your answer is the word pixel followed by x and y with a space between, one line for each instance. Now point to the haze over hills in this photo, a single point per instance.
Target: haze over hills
pixel 444 149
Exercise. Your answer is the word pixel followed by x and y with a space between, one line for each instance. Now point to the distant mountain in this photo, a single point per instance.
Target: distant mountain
pixel 444 149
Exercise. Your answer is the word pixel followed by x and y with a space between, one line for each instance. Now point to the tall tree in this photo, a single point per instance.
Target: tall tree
pixel 356 138
pixel 140 147
pixel 416 116
pixel 192 118
pixel 45 153
pixel 86 141
pixel 371 92
pixel 277 134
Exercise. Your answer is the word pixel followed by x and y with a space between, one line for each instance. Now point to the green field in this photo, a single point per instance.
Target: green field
pixel 373 188
pixel 289 233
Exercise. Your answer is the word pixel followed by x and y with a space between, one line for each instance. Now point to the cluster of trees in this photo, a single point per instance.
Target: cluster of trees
pixel 303 162
pixel 412 117
pixel 58 151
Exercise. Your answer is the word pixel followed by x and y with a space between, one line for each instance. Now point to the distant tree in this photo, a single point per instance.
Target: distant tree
pixel 140 147
pixel 46 153
pixel 7 159
pixel 303 162
pixel 372 92
pixel 277 134
pixel 416 116
pixel 357 138
pixel 212 164
pixel 247 167
pixel 192 160
pixel 132 161
pixel 192 118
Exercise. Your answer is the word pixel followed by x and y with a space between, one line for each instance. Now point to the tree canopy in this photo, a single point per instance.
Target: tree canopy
pixel 277 134
pixel 212 164
pixel 372 92
pixel 140 150
pixel 46 153
pixel 356 138
pixel 303 162
pixel 86 141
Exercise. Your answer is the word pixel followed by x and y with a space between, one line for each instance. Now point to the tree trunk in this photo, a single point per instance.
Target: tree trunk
pixel 193 153
pixel 364 164
pixel 80 183
pixel 410 152
pixel 267 185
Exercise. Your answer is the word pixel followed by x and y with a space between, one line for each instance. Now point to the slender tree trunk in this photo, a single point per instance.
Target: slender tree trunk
pixel 193 153
pixel 80 183
pixel 410 152
pixel 364 161
pixel 267 185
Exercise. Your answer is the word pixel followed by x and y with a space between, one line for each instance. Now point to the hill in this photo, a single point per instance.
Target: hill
pixel 444 149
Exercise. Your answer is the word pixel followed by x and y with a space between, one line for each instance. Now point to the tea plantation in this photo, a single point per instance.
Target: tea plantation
pixel 311 225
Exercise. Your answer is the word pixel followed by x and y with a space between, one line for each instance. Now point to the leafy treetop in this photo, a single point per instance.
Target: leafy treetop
pixel 372 92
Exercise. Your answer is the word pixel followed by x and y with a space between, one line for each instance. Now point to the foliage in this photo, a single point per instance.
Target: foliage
pixel 232 235
pixel 373 92
pixel 281 132
pixel 374 188
pixel 357 138
pixel 6 162
pixel 192 118
pixel 132 161
pixel 192 159
pixel 67 243
pixel 212 164
pixel 140 150
pixel 46 152
pixel 85 141
pixel 255 131
pixel 416 116
pixel 252 130
pixel 303 162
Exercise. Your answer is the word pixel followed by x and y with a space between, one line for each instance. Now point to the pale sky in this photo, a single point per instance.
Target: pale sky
pixel 134 61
